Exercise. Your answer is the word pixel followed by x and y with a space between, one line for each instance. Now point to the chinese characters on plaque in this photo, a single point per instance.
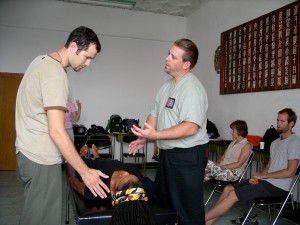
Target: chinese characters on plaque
pixel 262 55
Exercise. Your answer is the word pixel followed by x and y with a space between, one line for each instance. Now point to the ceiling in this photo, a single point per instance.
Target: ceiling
pixel 170 7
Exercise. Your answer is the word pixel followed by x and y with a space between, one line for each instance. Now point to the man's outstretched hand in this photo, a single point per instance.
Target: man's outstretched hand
pixel 92 180
pixel 134 146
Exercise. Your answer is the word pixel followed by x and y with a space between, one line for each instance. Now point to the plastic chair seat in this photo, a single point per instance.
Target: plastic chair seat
pixel 101 144
pixel 133 156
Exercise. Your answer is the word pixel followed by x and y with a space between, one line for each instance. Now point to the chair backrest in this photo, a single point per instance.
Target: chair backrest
pixel 250 159
pixel 79 129
pixel 99 143
pixel 79 141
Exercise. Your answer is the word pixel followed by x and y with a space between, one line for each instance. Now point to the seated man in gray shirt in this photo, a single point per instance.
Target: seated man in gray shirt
pixel 274 180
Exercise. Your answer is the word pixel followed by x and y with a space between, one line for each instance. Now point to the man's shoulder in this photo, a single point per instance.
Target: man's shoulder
pixel 295 137
pixel 43 59
pixel 193 84
pixel 43 65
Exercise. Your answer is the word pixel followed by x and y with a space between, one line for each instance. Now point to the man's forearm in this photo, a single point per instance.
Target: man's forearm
pixel 62 140
pixel 76 115
pixel 182 130
pixel 68 151
pixel 280 174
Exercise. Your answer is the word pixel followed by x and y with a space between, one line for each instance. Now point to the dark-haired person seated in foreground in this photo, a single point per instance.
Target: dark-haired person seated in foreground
pixel 275 179
pixel 131 192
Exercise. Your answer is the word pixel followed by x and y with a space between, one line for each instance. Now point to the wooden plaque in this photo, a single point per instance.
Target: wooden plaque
pixel 262 54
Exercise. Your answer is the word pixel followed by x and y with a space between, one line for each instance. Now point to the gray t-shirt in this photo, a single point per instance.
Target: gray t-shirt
pixel 182 101
pixel 281 151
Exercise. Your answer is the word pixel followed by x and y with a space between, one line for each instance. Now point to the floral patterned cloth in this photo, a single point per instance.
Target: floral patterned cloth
pixel 131 194
pixel 213 170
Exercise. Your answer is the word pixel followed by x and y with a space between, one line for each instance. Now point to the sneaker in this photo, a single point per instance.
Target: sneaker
pixel 251 220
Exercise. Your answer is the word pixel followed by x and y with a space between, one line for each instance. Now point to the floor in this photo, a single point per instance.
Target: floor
pixel 11 200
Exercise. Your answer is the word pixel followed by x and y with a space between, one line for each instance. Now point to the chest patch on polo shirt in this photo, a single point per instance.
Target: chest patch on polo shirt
pixel 170 103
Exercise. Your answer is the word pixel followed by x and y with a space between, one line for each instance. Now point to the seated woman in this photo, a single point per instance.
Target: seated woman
pixel 232 163
pixel 129 189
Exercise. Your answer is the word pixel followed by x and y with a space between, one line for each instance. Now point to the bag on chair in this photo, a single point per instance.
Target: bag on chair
pixel 269 136
pixel 114 124
pixel 128 123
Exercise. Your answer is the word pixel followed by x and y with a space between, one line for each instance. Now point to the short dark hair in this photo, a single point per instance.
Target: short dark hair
pixel 83 37
pixel 240 126
pixel 292 115
pixel 190 49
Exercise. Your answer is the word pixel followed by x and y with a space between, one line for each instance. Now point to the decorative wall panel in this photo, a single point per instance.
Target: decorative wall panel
pixel 262 54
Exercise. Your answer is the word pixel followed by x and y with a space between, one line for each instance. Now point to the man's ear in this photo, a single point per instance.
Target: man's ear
pixel 73 47
pixel 186 65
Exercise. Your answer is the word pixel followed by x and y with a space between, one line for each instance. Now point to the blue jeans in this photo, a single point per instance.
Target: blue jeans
pixel 71 133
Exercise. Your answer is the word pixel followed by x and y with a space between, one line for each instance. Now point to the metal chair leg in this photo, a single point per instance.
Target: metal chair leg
pixel 211 194
pixel 281 209
pixel 292 201
pixel 248 214
pixel 270 215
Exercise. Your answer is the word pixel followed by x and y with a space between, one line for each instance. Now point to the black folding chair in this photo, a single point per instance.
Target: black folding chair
pixel 128 138
pixel 269 201
pixel 99 136
pixel 80 136
pixel 102 144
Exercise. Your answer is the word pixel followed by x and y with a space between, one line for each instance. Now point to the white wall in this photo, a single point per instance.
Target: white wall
pixel 124 77
pixel 127 73
pixel 258 109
